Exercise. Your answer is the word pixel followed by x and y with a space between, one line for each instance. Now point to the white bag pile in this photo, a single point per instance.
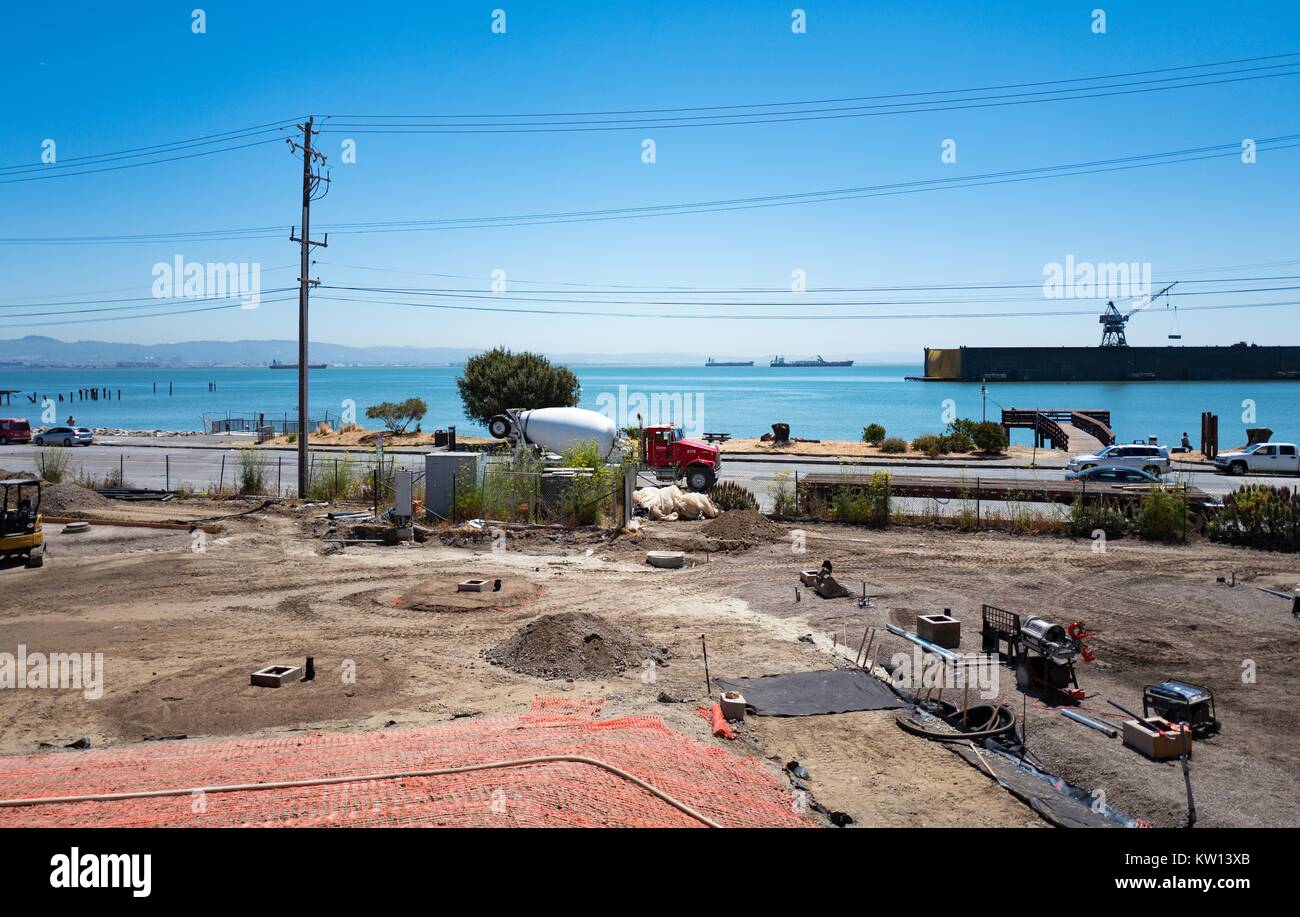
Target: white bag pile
pixel 672 503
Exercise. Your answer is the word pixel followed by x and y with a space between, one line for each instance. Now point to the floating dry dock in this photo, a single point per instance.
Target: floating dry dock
pixel 1110 364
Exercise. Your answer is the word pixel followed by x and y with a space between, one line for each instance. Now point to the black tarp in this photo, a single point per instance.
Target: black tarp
pixel 813 693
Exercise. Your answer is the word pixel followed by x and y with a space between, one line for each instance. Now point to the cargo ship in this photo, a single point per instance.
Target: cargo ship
pixel 1111 364
pixel 782 361
pixel 276 364
pixel 712 362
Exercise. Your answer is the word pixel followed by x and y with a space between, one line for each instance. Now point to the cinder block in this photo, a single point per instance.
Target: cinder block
pixel 940 630
pixel 808 577
pixel 273 676
pixel 1157 738
pixel 733 705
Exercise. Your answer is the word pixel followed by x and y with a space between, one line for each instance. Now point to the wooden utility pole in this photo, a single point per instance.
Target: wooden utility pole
pixel 311 182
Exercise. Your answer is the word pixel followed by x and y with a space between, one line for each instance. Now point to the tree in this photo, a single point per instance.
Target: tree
pixel 398 415
pixel 495 381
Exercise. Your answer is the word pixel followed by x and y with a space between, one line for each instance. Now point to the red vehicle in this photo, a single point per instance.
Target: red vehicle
pixel 14 430
pixel 666 450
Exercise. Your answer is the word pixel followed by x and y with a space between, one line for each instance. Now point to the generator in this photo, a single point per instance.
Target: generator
pixel 1180 702
pixel 1041 652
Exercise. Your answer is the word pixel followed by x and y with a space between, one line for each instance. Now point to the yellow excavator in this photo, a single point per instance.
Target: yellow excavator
pixel 20 521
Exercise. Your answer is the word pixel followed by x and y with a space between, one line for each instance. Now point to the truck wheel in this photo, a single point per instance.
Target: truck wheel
pixel 1237 468
pixel 4 440
pixel 499 426
pixel 699 480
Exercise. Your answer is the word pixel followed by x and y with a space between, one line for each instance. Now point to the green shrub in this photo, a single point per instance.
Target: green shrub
pixel 1086 518
pixel 863 503
pixel 930 444
pixel 873 433
pixel 52 463
pixel 332 478
pixel 1259 515
pixel 893 445
pixel 781 490
pixel 958 441
pixel 729 495
pixel 1163 516
pixel 253 466
pixel 989 437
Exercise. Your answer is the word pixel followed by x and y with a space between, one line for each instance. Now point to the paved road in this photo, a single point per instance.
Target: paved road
pixel 158 466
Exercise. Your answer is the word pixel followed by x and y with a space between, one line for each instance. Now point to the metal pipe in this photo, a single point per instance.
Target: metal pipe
pixel 1091 724
pixel 944 654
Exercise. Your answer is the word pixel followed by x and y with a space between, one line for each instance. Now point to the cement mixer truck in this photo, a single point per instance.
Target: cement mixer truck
pixel 666 452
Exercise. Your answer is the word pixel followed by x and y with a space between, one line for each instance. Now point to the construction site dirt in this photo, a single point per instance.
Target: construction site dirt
pixel 182 622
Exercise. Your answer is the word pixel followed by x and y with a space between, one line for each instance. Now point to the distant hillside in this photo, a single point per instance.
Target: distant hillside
pixel 36 350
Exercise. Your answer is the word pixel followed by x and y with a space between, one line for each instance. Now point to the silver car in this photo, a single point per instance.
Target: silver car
pixel 1151 459
pixel 64 436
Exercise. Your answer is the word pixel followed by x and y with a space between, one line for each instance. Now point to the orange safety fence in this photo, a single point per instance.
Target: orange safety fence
pixel 731 791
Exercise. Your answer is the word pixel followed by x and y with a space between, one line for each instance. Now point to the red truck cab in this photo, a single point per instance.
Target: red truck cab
pixel 14 430
pixel 698 462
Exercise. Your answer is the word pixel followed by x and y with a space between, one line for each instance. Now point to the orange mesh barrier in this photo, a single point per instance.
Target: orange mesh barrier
pixel 729 790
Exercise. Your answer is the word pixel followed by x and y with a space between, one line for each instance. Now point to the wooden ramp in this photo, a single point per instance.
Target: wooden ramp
pixel 1076 431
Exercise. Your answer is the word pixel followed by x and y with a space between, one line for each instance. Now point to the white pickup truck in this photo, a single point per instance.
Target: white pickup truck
pixel 1261 458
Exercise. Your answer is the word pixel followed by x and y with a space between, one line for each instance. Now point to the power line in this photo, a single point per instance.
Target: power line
pixel 138 304
pixel 9 304
pixel 118 318
pixel 136 165
pixel 155 149
pixel 725 120
pixel 806 303
pixel 800 317
pixel 977 285
pixel 1012 176
pixel 969 89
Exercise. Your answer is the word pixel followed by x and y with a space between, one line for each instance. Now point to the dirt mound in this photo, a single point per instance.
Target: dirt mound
pixel 745 525
pixel 439 594
pixel 64 499
pixel 573 644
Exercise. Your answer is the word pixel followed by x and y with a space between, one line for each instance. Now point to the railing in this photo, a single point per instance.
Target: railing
pixel 1041 423
pixel 1096 428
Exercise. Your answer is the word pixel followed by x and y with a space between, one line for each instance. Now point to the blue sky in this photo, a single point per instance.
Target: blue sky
pixel 105 77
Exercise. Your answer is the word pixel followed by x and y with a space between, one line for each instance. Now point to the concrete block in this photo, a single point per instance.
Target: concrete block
pixel 273 676
pixel 940 630
pixel 1157 738
pixel 474 585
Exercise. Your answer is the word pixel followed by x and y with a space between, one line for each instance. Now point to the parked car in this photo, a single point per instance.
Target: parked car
pixel 1151 459
pixel 1113 474
pixel 14 430
pixel 1261 458
pixel 64 436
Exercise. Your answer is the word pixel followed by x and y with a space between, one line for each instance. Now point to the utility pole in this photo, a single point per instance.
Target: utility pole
pixel 311 182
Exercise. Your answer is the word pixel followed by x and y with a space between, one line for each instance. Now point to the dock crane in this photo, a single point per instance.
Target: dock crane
pixel 1113 321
